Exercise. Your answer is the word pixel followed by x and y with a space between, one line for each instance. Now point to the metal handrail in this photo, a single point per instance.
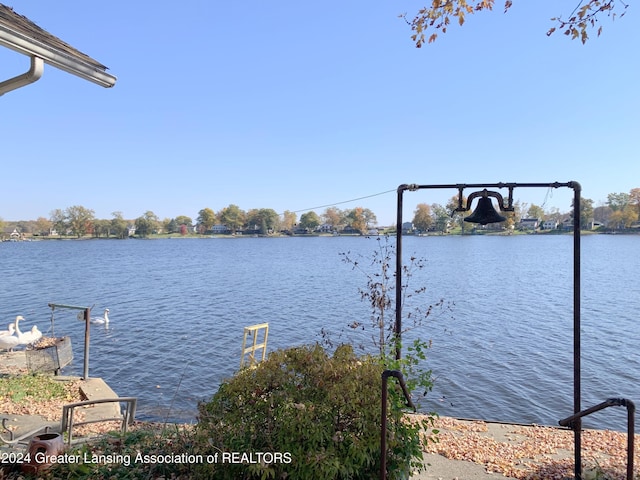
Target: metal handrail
pixel 383 429
pixel 127 418
pixel 13 440
pixel 573 422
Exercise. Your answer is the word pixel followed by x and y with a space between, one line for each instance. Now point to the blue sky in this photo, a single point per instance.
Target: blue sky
pixel 295 105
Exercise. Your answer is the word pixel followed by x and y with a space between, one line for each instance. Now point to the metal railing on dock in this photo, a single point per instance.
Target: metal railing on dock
pixel 383 429
pixel 127 417
pixel 574 423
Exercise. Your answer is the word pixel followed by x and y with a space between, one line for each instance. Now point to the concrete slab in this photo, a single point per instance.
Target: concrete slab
pixel 14 363
pixel 439 467
pixel 26 424
pixel 97 389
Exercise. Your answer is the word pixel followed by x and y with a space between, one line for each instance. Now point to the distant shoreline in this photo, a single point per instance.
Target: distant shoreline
pixel 31 238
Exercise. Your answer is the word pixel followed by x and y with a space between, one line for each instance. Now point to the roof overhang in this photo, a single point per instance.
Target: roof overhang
pixel 23 36
pixel 56 58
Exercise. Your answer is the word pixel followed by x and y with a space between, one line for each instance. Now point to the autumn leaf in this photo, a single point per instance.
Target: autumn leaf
pixel 584 37
pixel 585 15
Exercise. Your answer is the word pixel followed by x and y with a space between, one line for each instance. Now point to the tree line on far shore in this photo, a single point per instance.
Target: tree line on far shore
pixel 620 211
pixel 79 221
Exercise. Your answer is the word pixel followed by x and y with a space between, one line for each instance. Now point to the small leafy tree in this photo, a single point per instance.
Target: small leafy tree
pixel 378 294
pixel 380 275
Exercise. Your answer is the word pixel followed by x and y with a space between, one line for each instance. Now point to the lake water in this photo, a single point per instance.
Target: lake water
pixel 502 351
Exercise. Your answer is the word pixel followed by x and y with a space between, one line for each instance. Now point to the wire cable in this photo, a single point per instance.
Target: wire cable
pixel 345 201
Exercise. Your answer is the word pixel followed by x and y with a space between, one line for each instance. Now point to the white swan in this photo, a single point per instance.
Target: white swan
pixel 29 337
pixel 11 331
pixel 104 320
pixel 8 342
pixel 101 320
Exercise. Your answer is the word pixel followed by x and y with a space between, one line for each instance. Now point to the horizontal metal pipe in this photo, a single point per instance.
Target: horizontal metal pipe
pixel 572 422
pixel 59 305
pixel 414 186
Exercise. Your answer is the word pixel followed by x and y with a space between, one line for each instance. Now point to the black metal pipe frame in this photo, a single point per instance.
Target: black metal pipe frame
pixel 611 402
pixel 383 424
pixel 577 189
pixel 87 336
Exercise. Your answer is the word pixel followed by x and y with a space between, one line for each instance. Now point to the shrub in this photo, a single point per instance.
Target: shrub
pixel 128 456
pixel 321 413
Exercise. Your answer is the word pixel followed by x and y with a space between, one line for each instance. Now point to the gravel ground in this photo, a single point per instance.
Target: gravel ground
pixel 532 452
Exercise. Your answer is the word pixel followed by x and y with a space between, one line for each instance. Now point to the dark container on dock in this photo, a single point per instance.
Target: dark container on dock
pixel 50 358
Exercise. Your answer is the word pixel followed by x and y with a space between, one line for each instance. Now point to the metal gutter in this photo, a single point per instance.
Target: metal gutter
pixel 94 72
pixel 32 75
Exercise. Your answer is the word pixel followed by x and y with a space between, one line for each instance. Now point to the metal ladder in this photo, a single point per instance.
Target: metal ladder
pixel 254 330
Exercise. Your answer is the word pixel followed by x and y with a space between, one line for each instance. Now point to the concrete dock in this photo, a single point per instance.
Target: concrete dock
pixel 12 363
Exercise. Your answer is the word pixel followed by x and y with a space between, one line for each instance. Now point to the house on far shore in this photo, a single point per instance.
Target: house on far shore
pixel 325 228
pixel 595 225
pixel 220 230
pixel 349 230
pixel 550 224
pixel 529 224
pixel 407 227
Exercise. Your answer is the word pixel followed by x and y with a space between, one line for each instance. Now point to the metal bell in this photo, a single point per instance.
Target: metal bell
pixel 485 213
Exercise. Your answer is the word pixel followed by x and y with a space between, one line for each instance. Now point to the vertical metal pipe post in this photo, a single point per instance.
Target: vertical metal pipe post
pixel 87 323
pixel 383 428
pixel 577 426
pixel 383 424
pixel 631 430
pixel 398 326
